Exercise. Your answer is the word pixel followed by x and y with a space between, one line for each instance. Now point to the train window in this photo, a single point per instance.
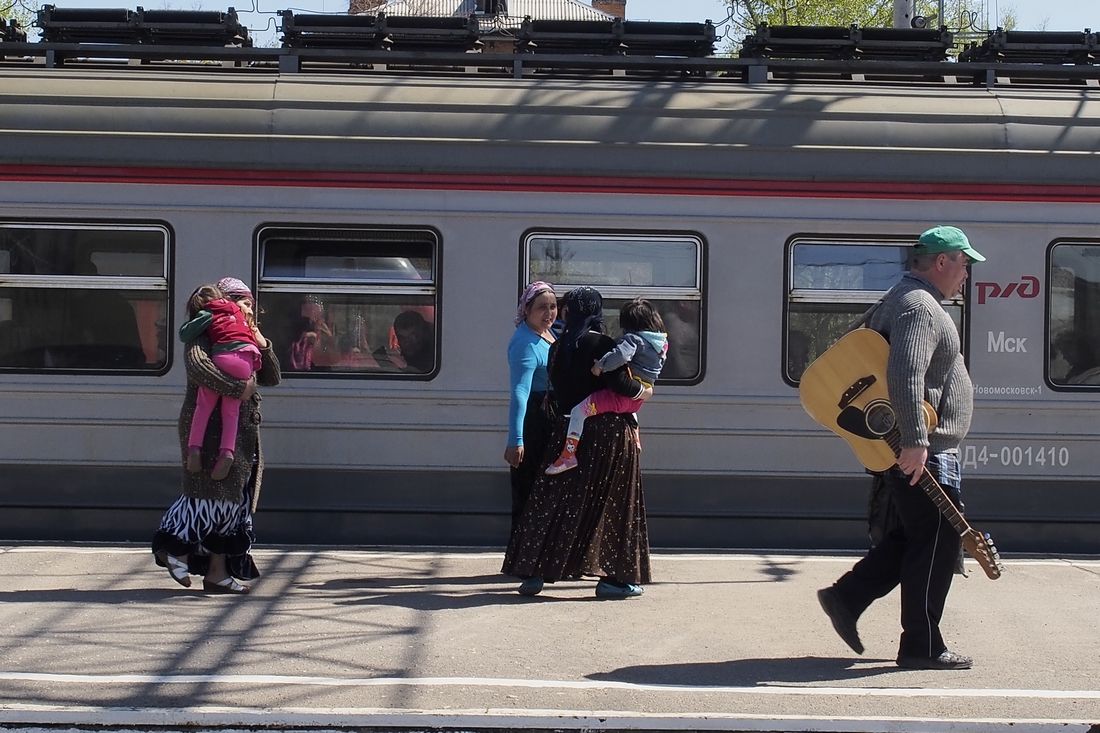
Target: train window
pixel 831 282
pixel 83 297
pixel 1073 349
pixel 665 268
pixel 351 301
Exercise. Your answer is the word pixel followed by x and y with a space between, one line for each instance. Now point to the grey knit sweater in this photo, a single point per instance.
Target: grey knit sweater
pixel 925 363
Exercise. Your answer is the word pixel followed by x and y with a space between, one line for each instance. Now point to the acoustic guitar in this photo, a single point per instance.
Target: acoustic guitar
pixel 845 390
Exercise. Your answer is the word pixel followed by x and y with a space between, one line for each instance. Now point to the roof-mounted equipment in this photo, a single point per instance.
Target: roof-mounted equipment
pixel 847 44
pixel 1036 47
pixel 604 37
pixel 140 26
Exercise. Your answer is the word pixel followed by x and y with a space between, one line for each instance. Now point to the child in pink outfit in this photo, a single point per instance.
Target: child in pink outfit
pixel 234 349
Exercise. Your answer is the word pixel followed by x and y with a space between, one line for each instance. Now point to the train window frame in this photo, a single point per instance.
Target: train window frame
pixel 697 292
pixel 161 282
pixel 844 297
pixel 380 286
pixel 1049 315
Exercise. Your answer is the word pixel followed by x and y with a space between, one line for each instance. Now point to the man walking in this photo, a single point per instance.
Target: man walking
pixel 919 549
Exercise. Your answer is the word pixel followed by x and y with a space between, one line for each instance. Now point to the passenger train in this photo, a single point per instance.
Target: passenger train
pixel 387 219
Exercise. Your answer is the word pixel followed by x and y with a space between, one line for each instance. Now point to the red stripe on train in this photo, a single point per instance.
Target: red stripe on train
pixel 560 184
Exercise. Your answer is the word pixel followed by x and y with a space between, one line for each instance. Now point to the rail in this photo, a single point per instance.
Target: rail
pixel 200 59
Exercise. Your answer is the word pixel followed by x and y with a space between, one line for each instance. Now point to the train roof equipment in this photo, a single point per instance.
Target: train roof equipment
pixel 848 43
pixel 1036 47
pixel 140 26
pixel 616 36
pixel 428 45
pixel 10 32
pixel 412 33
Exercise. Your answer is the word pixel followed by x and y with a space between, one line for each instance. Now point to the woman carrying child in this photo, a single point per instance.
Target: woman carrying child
pixel 642 350
pixel 229 326
pixel 208 530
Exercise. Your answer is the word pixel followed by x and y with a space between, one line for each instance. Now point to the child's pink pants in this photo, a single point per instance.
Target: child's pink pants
pixel 599 402
pixel 239 364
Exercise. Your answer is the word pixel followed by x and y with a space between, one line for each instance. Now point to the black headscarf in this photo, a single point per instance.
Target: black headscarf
pixel 583 313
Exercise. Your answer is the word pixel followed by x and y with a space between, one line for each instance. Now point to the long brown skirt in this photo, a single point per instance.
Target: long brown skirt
pixel 590 520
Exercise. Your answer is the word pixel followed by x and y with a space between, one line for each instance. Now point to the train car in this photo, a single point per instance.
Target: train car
pixel 763 218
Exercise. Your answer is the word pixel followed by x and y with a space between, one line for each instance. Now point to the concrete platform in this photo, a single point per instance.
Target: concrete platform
pixel 413 639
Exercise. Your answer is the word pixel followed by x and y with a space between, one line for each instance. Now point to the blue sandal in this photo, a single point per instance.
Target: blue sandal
pixel 613 591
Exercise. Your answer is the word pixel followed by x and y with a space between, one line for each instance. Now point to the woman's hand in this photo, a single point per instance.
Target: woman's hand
pixel 645 394
pixel 597 370
pixel 249 389
pixel 513 455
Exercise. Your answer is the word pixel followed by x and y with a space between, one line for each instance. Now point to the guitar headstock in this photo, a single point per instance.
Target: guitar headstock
pixel 979 545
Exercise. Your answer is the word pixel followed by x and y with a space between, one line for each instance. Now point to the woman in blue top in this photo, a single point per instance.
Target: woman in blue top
pixel 528 426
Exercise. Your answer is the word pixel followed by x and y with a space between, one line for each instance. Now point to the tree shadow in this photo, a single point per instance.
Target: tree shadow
pixel 751 672
pixel 110 597
pixel 340 584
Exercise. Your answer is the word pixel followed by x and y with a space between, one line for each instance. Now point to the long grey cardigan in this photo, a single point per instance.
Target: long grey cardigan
pixel 201 370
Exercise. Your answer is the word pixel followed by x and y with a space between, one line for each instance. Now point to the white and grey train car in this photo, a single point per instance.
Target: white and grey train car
pixel 762 218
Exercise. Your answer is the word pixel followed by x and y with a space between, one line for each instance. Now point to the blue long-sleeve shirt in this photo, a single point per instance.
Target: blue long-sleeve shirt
pixel 528 354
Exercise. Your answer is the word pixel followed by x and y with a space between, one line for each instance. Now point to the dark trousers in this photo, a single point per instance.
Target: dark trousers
pixel 917 550
pixel 536 434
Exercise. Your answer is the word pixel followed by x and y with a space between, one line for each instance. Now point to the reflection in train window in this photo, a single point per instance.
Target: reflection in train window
pixel 665 268
pixel 1073 350
pixel 83 297
pixel 351 301
pixel 831 282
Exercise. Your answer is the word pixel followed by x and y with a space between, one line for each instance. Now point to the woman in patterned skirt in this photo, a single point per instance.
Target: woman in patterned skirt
pixel 208 530
pixel 591 520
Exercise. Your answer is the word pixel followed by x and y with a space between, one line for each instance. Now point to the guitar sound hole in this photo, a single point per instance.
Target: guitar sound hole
pixel 880 418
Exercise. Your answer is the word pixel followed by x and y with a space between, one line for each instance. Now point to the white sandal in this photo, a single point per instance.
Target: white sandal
pixel 225 585
pixel 177 568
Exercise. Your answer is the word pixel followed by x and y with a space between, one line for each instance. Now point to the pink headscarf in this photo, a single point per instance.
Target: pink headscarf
pixel 533 291
pixel 234 288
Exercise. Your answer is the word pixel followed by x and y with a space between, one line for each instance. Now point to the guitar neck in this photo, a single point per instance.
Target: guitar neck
pixel 943 502
pixel 934 491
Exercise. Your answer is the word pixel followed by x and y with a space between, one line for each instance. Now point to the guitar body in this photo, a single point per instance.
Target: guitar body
pixel 845 390
pixel 858 355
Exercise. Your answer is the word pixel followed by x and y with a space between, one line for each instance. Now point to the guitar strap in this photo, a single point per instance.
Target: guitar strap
pixel 861 322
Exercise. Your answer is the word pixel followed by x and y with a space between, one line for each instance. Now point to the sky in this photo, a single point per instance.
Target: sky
pixel 1051 15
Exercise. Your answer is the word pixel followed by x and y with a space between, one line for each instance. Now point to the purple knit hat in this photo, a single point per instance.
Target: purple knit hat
pixel 234 288
pixel 533 291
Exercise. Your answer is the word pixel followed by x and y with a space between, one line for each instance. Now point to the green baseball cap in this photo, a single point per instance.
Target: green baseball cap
pixel 946 239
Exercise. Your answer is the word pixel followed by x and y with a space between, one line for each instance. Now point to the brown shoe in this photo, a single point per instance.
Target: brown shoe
pixel 222 465
pixel 194 460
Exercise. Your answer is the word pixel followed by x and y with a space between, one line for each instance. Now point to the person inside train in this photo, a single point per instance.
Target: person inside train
pixel 642 350
pixel 208 529
pixel 681 318
pixel 528 423
pixel 315 343
pixel 414 345
pixel 230 327
pixel 589 521
pixel 918 548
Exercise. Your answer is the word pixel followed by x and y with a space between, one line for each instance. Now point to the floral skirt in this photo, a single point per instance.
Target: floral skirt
pixel 589 521
pixel 199 528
